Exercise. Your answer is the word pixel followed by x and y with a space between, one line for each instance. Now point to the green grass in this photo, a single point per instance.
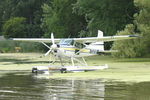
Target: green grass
pixel 21 61
pixel 130 70
pixel 7 46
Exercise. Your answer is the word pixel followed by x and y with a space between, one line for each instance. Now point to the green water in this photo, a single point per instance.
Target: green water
pixel 26 86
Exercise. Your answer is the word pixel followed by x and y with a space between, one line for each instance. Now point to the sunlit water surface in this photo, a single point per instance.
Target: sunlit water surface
pixel 26 86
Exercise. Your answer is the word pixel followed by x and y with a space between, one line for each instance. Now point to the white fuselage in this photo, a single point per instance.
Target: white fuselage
pixel 69 48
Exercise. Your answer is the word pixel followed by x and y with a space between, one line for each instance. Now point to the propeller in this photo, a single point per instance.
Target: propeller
pixel 48 52
pixel 52 38
pixel 52 47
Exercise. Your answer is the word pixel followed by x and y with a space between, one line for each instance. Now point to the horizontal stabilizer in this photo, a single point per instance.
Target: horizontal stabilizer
pixel 108 51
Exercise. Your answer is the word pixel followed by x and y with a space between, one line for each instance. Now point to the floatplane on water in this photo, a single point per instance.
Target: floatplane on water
pixel 73 49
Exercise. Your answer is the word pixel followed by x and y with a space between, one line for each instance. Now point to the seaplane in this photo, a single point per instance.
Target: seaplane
pixel 75 50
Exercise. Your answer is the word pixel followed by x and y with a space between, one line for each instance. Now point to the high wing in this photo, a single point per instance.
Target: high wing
pixel 105 38
pixel 81 40
pixel 99 38
pixel 46 40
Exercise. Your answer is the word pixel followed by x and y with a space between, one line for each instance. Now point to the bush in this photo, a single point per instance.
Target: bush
pixel 9 46
pixel 15 27
pixel 138 47
pixel 134 47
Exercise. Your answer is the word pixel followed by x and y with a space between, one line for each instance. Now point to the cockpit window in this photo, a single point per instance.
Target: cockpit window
pixel 79 45
pixel 66 42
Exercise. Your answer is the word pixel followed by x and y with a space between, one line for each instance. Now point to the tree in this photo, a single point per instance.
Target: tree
pixel 15 27
pixel 59 18
pixel 29 9
pixel 106 15
pixel 2 3
pixel 139 47
pixel 142 22
pixel 128 48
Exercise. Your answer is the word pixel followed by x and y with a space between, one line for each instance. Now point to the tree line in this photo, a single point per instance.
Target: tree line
pixel 79 18
pixel 141 25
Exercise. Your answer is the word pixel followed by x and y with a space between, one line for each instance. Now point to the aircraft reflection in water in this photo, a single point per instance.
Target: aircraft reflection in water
pixel 24 86
pixel 75 90
pixel 75 48
pixel 96 90
pixel 28 87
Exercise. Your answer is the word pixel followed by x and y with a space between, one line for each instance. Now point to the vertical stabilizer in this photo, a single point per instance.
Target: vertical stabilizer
pixel 100 34
pixel 100 45
pixel 97 46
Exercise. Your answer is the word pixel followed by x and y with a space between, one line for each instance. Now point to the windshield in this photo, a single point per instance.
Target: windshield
pixel 66 42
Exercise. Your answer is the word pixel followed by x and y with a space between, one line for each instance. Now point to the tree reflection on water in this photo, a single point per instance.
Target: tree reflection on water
pixel 25 86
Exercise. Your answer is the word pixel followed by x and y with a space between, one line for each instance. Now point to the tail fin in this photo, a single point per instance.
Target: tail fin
pixel 100 34
pixel 98 46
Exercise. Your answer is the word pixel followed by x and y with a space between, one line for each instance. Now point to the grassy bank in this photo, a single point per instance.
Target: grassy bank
pixel 21 61
pixel 135 69
pixel 7 46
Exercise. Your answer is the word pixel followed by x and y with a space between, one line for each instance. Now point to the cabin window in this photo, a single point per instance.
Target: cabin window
pixel 79 45
pixel 66 42
pixel 77 51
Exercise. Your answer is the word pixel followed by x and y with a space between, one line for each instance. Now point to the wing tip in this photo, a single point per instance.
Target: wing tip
pixel 133 35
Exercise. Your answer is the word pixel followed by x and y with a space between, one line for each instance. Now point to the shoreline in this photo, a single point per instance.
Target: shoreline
pixel 127 69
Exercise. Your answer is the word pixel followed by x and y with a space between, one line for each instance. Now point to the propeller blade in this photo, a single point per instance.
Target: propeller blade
pixel 52 38
pixel 48 52
pixel 46 45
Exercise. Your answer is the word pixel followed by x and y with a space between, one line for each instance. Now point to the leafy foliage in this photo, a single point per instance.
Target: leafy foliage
pixel 29 9
pixel 128 48
pixel 106 15
pixel 139 47
pixel 79 18
pixel 58 18
pixel 15 27
pixel 9 46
